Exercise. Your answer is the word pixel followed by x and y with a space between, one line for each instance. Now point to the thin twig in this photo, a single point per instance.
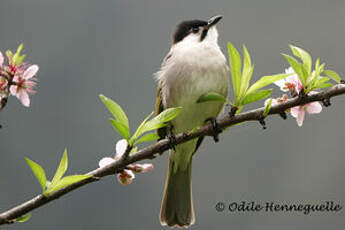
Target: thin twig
pixel 163 145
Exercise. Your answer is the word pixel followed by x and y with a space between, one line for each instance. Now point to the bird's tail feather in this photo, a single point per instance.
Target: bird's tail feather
pixel 177 205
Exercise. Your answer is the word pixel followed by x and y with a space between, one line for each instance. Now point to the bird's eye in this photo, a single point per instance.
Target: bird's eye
pixel 195 30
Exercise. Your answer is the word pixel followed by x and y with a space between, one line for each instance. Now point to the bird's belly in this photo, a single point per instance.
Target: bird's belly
pixel 185 92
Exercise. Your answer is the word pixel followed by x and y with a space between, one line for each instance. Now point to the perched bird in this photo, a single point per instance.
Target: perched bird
pixel 194 66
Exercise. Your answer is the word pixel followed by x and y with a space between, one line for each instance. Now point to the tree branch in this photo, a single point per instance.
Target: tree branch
pixel 149 152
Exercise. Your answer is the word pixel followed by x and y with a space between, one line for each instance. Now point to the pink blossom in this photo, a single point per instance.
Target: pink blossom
pixel 141 168
pixel 24 84
pixel 126 177
pixel 311 108
pixel 105 161
pixel 276 101
pixel 294 85
pixel 120 148
pixel 290 83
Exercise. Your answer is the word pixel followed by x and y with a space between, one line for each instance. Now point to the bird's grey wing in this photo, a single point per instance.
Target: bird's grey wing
pixel 162 132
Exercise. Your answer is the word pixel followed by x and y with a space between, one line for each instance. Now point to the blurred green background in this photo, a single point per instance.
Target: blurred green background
pixel 113 47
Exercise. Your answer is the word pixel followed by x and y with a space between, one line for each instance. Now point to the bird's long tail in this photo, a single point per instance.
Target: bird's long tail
pixel 177 205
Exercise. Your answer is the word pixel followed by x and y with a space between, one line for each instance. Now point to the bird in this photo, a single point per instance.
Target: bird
pixel 194 66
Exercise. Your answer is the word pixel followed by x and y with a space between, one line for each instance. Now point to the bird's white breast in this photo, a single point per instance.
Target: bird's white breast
pixel 193 70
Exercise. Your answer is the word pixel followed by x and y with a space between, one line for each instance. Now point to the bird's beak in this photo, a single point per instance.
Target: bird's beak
pixel 214 20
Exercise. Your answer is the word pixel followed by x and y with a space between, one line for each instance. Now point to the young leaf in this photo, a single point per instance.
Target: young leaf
pixel 325 85
pixel 16 61
pixel 134 150
pixel 211 97
pixel 148 137
pixel 268 108
pixel 256 96
pixel 9 55
pixel 116 110
pixel 247 71
pixel 23 219
pixel 121 128
pixel 298 68
pixel 138 132
pixel 318 82
pixel 317 64
pixel 68 180
pixel 60 170
pixel 235 67
pixel 332 74
pixel 264 81
pixel 38 172
pixel 20 47
pixel 161 119
pixel 304 56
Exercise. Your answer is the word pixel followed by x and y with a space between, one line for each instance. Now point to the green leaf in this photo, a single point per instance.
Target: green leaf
pixel 155 123
pixel 298 68
pixel 60 170
pixel 68 180
pixel 317 64
pixel 20 47
pixel 235 67
pixel 23 219
pixel 121 128
pixel 20 59
pixel 161 119
pixel 304 56
pixel 247 71
pixel 38 172
pixel 264 81
pixel 211 97
pixel 9 54
pixel 148 137
pixel 17 59
pixel 325 85
pixel 256 96
pixel 332 74
pixel 134 150
pixel 138 132
pixel 268 108
pixel 116 110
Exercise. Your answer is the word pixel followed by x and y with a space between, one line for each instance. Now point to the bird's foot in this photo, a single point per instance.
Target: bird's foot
pixel 216 129
pixel 172 138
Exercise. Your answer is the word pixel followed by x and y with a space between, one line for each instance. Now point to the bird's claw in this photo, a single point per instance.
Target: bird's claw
pixel 216 129
pixel 172 138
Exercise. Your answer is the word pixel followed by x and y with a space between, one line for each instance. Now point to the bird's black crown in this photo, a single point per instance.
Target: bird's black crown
pixel 185 28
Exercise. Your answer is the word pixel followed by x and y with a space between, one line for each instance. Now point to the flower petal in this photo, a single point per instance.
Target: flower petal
pixel 105 161
pixel 281 84
pixel 129 173
pixel 121 147
pixel 146 167
pixel 24 97
pixel 300 118
pixel 298 113
pixel 16 78
pixel 314 107
pixel 13 90
pixel 126 177
pixel 295 110
pixel 30 72
pixel 1 59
